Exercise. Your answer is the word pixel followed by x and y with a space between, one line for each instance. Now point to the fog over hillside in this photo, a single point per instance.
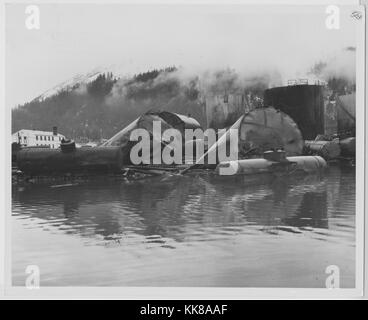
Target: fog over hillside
pixel 99 104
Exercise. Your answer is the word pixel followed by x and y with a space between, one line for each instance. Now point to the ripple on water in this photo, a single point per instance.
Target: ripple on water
pixel 189 218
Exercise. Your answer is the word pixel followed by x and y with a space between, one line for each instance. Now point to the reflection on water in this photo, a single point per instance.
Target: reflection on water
pixel 189 230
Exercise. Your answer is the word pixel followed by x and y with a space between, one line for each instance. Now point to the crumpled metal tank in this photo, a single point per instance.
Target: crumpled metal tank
pixel 266 128
pixel 259 130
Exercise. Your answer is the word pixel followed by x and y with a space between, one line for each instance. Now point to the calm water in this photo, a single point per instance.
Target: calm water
pixel 195 230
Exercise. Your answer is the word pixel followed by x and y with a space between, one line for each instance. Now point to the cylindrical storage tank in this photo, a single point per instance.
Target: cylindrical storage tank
pixel 326 149
pixel 264 129
pixel 303 103
pixel 81 160
pixel 306 164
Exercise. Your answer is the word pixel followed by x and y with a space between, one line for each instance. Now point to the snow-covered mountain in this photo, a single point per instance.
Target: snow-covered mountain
pixel 78 80
pixel 97 107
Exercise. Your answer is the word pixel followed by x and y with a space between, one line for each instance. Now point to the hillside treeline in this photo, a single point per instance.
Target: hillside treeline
pixel 104 106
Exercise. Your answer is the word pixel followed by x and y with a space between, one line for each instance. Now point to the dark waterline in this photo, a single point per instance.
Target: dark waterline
pixel 195 230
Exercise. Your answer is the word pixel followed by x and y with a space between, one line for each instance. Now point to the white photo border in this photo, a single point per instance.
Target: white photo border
pixel 9 292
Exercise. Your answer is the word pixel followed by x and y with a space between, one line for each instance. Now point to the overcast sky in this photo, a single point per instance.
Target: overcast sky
pixel 76 39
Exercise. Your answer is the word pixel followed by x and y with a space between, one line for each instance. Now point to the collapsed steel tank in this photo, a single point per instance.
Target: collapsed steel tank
pixel 258 131
pixel 265 129
pixel 269 142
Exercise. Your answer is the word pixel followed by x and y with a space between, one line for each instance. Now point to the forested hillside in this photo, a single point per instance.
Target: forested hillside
pixel 102 104
pixel 102 107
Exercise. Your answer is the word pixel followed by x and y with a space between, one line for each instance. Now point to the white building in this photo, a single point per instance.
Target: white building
pixel 28 138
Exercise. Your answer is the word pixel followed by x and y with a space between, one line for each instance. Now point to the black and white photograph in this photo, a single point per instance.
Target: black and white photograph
pixel 172 145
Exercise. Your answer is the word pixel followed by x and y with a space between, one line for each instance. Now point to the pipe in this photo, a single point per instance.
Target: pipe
pixel 307 164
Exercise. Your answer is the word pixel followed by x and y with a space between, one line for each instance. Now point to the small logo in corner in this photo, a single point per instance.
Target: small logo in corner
pixel 357 15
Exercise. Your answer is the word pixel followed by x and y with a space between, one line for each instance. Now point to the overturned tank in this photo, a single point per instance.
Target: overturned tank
pixel 70 160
